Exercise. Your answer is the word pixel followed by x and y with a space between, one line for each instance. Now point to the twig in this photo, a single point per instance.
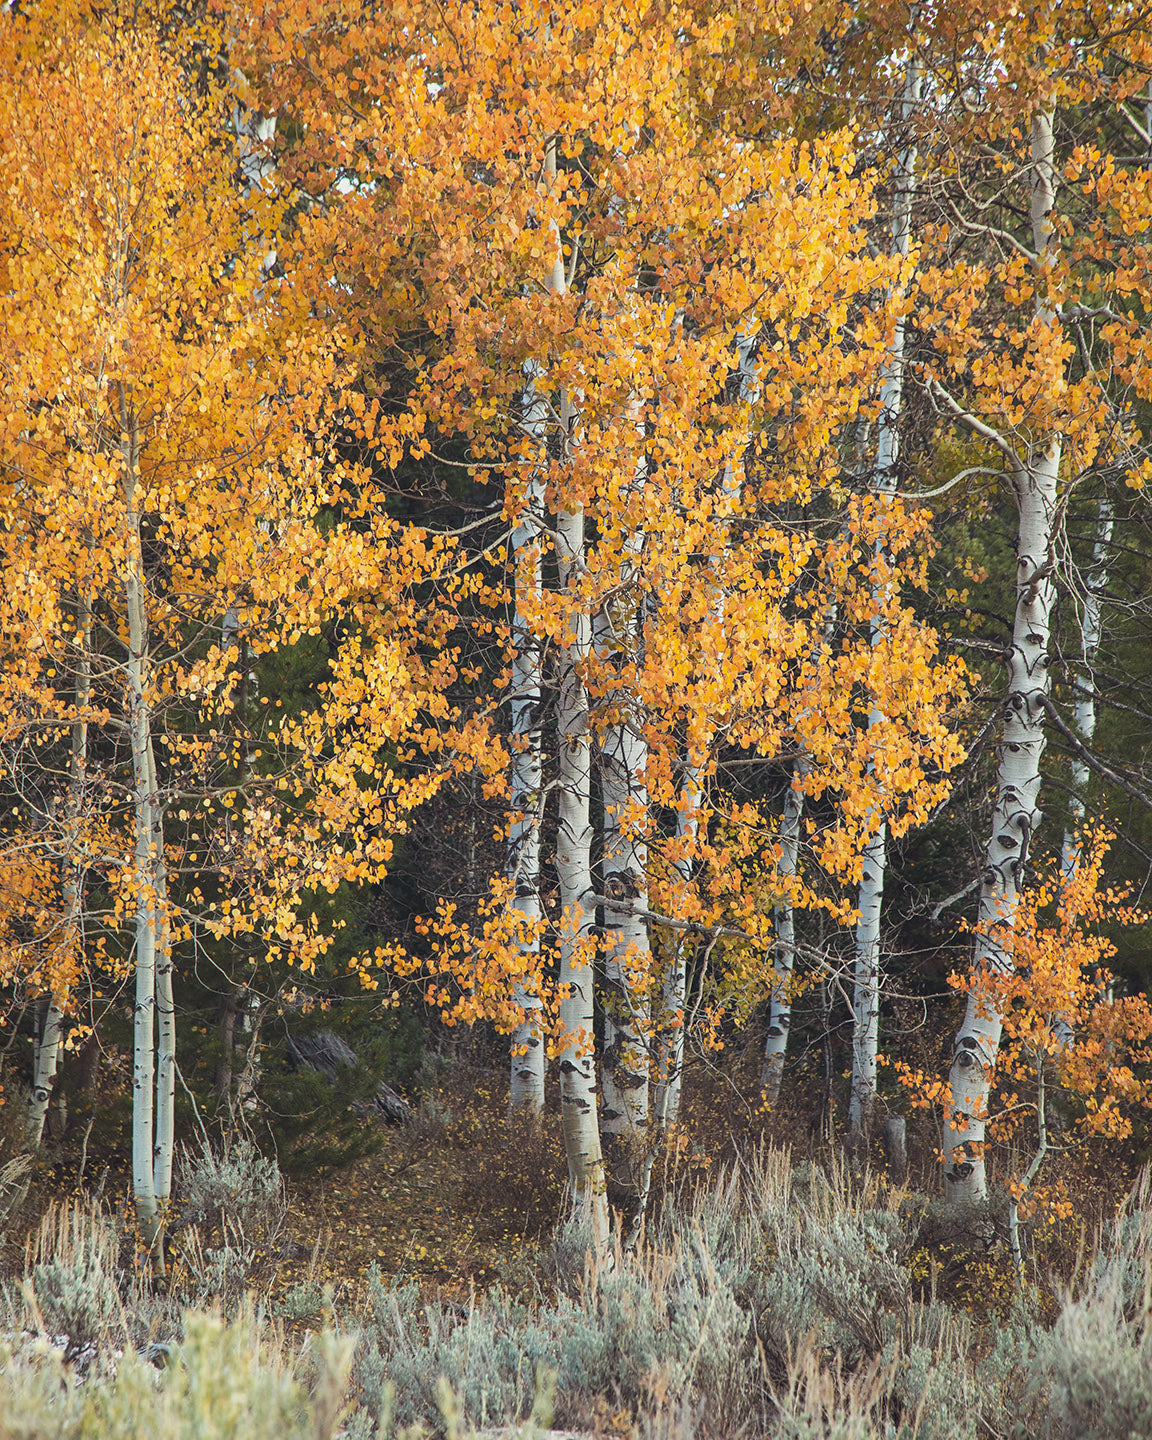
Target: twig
pixel 195 1107
pixel 937 910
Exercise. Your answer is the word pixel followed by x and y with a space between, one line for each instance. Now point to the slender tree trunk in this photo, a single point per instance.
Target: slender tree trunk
pixel 1084 713
pixel 51 1034
pixel 1017 812
pixel 625 1063
pixel 46 1058
pixel 780 1005
pixel 866 991
pixel 574 871
pixel 870 897
pixel 578 1100
pixel 527 1089
pixel 625 1060
pixel 153 1063
pixel 784 918
pixel 671 1033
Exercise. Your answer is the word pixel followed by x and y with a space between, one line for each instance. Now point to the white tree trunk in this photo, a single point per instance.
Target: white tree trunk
pixel 578 1101
pixel 527 1085
pixel 870 897
pixel 1017 812
pixel 47 1056
pixel 625 1060
pixel 866 990
pixel 784 959
pixel 574 872
pixel 624 1117
pixel 154 1075
pixel 1084 713
pixel 670 1037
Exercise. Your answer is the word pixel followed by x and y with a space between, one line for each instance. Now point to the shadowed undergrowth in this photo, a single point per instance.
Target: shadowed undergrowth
pixel 778 1300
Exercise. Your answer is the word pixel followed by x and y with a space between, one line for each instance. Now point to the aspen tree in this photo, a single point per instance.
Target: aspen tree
pixel 866 980
pixel 525 797
pixel 445 225
pixel 1048 419
pixel 1084 681
pixel 161 470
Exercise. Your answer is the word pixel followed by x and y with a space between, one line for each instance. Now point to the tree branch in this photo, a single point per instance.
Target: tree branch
pixel 1090 758
pixel 974 423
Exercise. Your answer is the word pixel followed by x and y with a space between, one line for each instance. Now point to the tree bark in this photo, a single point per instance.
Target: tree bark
pixel 527 1086
pixel 153 1063
pixel 780 1005
pixel 870 896
pixel 625 1060
pixel 1017 811
pixel 1084 716
pixel 574 872
pixel 580 1121
pixel 1084 712
pixel 670 1035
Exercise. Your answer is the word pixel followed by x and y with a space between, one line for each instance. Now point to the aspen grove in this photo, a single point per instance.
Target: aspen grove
pixel 622 527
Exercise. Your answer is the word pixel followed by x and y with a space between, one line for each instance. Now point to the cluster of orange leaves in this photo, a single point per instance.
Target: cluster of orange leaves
pixel 1062 1027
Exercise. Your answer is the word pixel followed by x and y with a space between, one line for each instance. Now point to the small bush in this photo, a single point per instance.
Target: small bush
pixel 235 1181
pixel 229 1381
pixel 72 1270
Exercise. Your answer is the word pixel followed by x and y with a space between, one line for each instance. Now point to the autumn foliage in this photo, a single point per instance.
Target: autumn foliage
pixel 524 376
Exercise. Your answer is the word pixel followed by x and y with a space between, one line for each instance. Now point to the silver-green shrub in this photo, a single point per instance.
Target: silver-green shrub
pixel 234 1181
pixel 72 1279
pixel 1094 1368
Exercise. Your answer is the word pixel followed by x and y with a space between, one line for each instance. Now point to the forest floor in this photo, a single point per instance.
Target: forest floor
pixel 458 1199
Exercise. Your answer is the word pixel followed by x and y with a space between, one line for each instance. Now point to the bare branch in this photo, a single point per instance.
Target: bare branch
pixel 1090 757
